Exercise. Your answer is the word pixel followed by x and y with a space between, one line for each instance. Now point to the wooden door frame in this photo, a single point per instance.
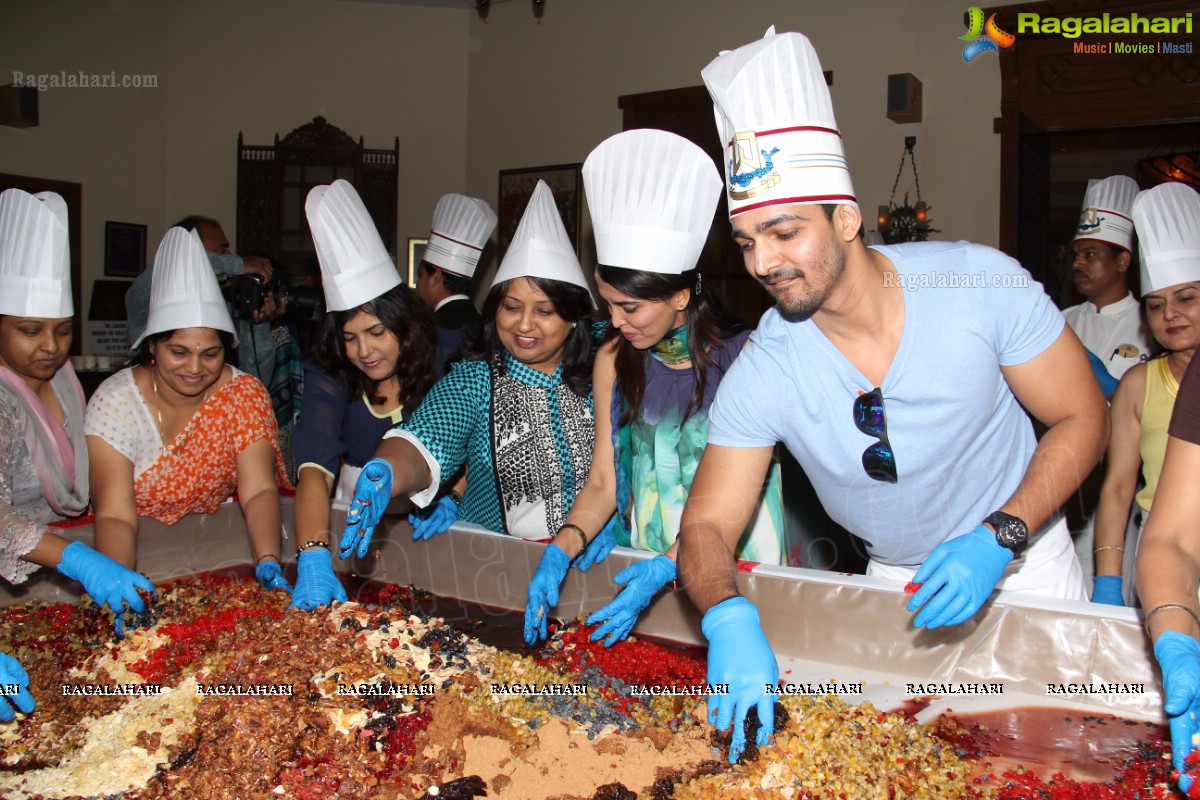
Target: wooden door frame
pixel 1044 89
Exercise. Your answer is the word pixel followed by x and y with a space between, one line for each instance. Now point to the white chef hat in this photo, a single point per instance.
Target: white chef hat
pixel 775 120
pixel 1106 211
pixel 461 227
pixel 183 289
pixel 651 195
pixel 355 266
pixel 1167 218
pixel 540 246
pixel 35 256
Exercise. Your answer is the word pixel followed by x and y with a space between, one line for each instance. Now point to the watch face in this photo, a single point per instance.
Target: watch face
pixel 1011 532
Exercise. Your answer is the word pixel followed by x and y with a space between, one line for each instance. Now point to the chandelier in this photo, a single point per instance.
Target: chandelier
pixel 1171 162
pixel 904 222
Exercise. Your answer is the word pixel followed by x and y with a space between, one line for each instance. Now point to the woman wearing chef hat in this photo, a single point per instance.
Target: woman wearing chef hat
pixel 652 196
pixel 516 410
pixel 1165 217
pixel 1168 561
pixel 43 458
pixel 180 431
pixel 373 362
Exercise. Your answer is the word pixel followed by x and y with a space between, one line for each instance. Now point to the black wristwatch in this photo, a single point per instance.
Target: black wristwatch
pixel 1011 532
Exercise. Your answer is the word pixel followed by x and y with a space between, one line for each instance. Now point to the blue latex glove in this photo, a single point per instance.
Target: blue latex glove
pixel 372 493
pixel 642 580
pixel 435 519
pixel 1108 384
pixel 270 576
pixel 1106 589
pixel 739 655
pixel 14 685
pixel 109 583
pixel 1179 657
pixel 316 582
pixel 543 591
pixel 961 572
pixel 597 549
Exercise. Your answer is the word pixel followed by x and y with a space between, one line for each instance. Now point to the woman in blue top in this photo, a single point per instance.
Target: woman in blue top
pixel 522 391
pixel 652 196
pixel 373 361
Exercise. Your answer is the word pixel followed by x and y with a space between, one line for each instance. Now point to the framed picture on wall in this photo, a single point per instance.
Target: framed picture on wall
pixel 416 252
pixel 124 249
pixel 516 187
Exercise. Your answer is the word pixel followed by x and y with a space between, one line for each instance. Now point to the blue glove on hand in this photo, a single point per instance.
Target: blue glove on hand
pixel 740 656
pixel 13 675
pixel 1108 384
pixel 1179 657
pixel 435 519
pixel 642 580
pixel 597 549
pixel 316 583
pixel 961 572
pixel 372 493
pixel 1106 589
pixel 109 583
pixel 543 591
pixel 270 576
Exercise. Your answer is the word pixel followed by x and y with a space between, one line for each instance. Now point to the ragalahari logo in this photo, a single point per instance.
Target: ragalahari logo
pixel 994 37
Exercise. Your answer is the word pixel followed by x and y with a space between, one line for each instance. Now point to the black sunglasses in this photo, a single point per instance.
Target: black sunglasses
pixel 878 460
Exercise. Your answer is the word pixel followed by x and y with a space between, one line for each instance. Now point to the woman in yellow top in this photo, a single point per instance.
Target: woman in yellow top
pixel 1142 403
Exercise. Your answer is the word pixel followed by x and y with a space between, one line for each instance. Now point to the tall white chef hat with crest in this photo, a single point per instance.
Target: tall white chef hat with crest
pixel 35 256
pixel 461 227
pixel 775 119
pixel 183 289
pixel 355 266
pixel 651 195
pixel 540 246
pixel 1107 210
pixel 1167 218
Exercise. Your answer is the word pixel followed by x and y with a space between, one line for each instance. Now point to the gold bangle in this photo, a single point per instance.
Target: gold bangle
pixel 264 558
pixel 1109 547
pixel 1156 609
pixel 582 536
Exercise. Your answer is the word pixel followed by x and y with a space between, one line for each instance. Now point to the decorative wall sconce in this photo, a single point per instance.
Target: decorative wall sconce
pixel 904 222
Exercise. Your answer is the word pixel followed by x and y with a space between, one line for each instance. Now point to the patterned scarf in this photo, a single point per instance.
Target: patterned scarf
pixel 672 349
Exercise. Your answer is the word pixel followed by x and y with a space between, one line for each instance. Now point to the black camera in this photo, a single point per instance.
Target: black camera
pixel 247 293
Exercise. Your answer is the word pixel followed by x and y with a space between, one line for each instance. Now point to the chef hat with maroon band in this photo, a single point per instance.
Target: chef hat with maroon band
pixel 1107 211
pixel 461 227
pixel 775 120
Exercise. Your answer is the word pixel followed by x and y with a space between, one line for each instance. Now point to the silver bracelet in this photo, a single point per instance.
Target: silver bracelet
pixel 1164 606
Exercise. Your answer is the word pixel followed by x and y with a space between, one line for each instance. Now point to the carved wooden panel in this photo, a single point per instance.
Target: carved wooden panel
pixel 274 181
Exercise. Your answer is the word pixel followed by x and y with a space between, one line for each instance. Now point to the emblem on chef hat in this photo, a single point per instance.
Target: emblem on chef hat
pixel 461 227
pixel 540 246
pixel 1167 218
pixel 355 266
pixel 35 258
pixel 775 119
pixel 183 289
pixel 1107 207
pixel 651 195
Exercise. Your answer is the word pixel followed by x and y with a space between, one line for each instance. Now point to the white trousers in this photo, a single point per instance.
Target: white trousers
pixel 1049 568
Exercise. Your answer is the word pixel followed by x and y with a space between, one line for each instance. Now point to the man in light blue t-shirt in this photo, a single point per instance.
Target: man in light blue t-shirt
pixel 895 375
